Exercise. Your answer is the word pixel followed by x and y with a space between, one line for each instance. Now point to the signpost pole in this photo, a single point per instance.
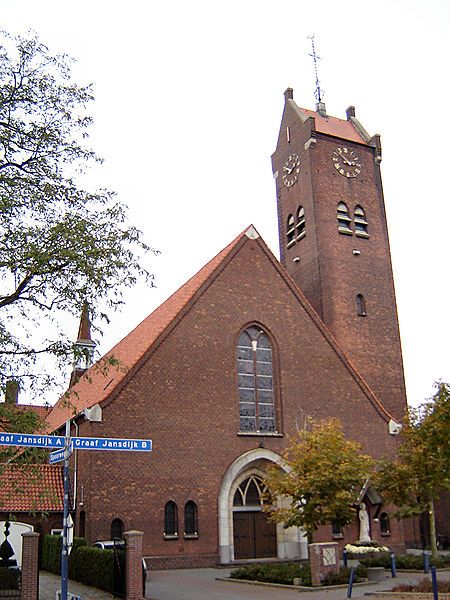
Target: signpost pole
pixel 65 549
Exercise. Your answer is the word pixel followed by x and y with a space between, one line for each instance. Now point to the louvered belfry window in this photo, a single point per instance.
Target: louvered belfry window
pixel 255 382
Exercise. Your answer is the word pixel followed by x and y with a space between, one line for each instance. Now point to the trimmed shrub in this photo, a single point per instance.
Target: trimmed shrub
pixel 413 562
pixel 88 565
pixel 286 572
pixel 274 573
pixel 9 579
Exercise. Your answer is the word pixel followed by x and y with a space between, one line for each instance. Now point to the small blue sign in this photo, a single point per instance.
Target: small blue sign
pixel 88 443
pixel 32 441
pixel 59 455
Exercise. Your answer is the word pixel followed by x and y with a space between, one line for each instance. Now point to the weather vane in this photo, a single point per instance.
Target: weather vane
pixel 318 93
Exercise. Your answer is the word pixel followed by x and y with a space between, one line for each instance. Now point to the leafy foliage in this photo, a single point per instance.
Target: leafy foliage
pixel 60 245
pixel 422 468
pixel 286 572
pixel 325 475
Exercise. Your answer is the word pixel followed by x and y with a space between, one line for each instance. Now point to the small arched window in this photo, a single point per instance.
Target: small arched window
pixel 360 306
pixel 360 222
pixel 290 230
pixel 171 519
pixel 385 527
pixel 300 223
pixel 255 381
pixel 344 221
pixel 190 519
pixel 117 529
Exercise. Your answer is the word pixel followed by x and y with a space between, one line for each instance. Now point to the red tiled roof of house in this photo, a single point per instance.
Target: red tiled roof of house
pixel 98 383
pixel 25 488
pixel 334 126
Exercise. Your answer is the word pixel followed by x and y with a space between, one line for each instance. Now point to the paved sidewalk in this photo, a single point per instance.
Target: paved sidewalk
pixel 202 584
pixel 49 583
pixel 207 584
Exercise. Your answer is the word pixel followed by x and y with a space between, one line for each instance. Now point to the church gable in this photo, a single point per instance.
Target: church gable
pixel 192 381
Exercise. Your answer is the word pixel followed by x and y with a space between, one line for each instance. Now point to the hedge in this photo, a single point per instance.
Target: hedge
pixel 286 572
pixel 412 562
pixel 88 565
pixel 9 579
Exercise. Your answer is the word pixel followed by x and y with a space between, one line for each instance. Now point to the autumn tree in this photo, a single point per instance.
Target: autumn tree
pixel 324 477
pixel 60 244
pixel 422 469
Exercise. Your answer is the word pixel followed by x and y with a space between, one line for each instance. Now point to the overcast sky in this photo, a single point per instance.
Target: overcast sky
pixel 189 97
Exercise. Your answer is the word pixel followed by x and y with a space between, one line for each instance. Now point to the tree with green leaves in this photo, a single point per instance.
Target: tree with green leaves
pixel 422 469
pixel 324 475
pixel 60 244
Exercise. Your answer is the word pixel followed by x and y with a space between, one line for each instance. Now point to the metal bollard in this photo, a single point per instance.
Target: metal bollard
pixel 426 561
pixel 345 557
pixel 393 566
pixel 434 583
pixel 350 583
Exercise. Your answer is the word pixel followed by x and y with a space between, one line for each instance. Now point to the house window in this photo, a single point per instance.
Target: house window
pixel 343 219
pixel 255 382
pixel 290 231
pixel 117 529
pixel 360 222
pixel 300 223
pixel 360 305
pixel 170 520
pixel 190 519
pixel 385 527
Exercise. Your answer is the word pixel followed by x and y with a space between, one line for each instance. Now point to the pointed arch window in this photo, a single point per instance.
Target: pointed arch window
pixel 300 223
pixel 385 526
pixel 190 520
pixel 170 520
pixel 250 492
pixel 360 305
pixel 290 230
pixel 344 221
pixel 255 382
pixel 360 222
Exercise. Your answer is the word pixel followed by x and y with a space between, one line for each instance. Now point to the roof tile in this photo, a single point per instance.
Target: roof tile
pixel 25 488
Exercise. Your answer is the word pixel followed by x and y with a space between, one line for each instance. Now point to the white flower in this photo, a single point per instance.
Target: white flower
pixel 365 549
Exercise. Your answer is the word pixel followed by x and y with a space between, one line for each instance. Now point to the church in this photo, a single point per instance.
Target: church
pixel 236 361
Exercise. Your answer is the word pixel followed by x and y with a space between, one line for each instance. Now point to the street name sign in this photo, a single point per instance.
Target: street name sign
pixel 59 455
pixel 89 443
pixel 32 441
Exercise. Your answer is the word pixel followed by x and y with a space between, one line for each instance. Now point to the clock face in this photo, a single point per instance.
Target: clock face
pixel 346 162
pixel 291 169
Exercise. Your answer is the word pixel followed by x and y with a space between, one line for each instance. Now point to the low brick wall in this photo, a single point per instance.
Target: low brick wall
pixel 186 561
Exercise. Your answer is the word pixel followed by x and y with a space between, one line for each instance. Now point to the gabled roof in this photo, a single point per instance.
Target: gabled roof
pixel 333 126
pixel 27 488
pixel 100 384
pixel 100 380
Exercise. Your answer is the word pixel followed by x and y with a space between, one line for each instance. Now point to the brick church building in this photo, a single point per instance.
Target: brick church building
pixel 235 362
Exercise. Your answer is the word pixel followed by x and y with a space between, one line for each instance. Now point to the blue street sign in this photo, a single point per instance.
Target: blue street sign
pixel 59 455
pixel 88 443
pixel 78 443
pixel 32 441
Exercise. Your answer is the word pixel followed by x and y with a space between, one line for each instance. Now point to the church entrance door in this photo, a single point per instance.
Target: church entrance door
pixel 254 535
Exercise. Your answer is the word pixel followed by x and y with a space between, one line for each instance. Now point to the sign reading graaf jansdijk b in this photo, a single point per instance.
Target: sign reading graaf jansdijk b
pixel 89 443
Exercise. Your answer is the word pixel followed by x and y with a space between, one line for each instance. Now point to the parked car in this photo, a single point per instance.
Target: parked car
pixel 118 543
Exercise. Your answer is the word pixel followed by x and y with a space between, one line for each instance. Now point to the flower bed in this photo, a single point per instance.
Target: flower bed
pixel 286 572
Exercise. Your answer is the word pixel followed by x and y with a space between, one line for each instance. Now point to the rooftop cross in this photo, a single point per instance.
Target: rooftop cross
pixel 318 92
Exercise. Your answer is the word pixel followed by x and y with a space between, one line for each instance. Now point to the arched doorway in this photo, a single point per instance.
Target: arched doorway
pixel 239 494
pixel 254 535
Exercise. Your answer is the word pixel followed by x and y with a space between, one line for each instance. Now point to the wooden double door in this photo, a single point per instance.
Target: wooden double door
pixel 254 536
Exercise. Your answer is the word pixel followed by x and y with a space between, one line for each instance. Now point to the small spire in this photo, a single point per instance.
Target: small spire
pixel 83 348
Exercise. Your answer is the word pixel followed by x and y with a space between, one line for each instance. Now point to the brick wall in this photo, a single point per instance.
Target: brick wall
pixel 185 398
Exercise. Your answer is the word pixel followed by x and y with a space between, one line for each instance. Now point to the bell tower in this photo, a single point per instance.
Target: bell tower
pixel 334 239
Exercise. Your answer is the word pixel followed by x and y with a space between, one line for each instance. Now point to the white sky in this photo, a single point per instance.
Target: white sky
pixel 189 97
